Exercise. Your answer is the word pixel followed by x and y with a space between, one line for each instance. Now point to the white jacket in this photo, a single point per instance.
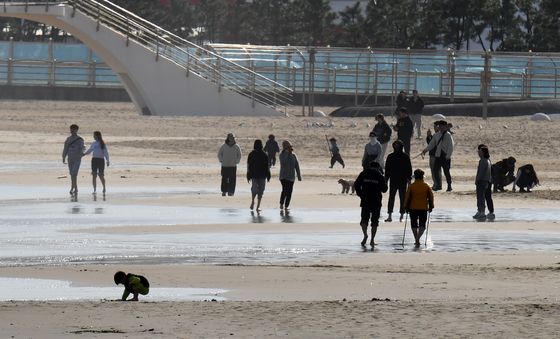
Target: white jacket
pixel 229 156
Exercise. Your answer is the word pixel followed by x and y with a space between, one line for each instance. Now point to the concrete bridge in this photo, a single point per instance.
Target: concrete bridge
pixel 163 73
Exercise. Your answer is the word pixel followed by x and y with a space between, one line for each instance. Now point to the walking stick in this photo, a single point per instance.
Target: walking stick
pixel 404 232
pixel 427 228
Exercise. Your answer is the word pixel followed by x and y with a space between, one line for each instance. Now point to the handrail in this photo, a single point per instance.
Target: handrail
pixel 185 54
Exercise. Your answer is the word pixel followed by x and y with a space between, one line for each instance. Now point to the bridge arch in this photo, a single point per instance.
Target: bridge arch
pixel 161 77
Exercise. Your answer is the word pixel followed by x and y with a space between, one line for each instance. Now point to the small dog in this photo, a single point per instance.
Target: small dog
pixel 347 185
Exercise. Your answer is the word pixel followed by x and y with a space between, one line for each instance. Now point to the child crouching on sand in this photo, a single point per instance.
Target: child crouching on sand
pixel 133 283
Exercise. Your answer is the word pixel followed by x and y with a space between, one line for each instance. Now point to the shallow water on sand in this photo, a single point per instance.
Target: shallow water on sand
pixel 34 225
pixel 46 289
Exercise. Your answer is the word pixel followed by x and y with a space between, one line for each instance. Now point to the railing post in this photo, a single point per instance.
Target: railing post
pixel 334 81
pixel 10 76
pixel 26 5
pixel 452 80
pixel 356 84
pixel 98 16
pixel 312 53
pixel 376 83
pixel 52 73
pixel 218 74
pixel 47 6
pixel 157 45
pixel 50 80
pixel 529 75
pixel 127 31
pixel 253 90
pixel 73 2
pixel 485 84
pixel 91 69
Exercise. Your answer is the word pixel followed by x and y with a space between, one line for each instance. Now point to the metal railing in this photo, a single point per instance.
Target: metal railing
pixel 369 74
pixel 185 54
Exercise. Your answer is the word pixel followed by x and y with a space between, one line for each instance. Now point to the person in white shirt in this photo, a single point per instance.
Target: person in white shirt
pixel 73 150
pixel 443 143
pixel 100 153
pixel 229 156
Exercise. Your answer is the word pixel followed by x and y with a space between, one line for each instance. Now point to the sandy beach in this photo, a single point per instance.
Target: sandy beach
pixel 452 289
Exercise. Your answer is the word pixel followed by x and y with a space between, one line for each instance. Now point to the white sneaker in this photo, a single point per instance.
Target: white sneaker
pixel 490 216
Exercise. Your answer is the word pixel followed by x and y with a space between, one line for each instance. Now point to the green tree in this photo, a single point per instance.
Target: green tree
pixel 350 31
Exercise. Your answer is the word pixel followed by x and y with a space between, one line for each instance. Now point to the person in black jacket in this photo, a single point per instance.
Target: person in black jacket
pixel 404 129
pixel 402 102
pixel 383 133
pixel 398 171
pixel 370 186
pixel 257 172
pixel 415 108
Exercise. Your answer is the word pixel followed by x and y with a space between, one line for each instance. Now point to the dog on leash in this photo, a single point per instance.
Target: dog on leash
pixel 347 185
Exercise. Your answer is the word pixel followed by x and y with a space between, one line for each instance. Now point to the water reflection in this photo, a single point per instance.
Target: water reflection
pixel 77 209
pixel 286 217
pixel 257 218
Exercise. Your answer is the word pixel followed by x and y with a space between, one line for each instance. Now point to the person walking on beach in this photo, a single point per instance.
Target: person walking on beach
pixel 418 202
pixel 404 129
pixel 416 107
pixel 383 132
pixel 335 151
pixel 229 156
pixel 402 102
pixel 483 182
pixel 398 171
pixel 432 154
pixel 289 168
pixel 372 151
pixel 370 186
pixel 443 143
pixel 133 284
pixel 73 149
pixel 258 173
pixel 271 148
pixel 100 154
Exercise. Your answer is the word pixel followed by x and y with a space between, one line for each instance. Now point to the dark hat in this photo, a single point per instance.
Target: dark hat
pixel 372 134
pixel 418 174
pixel 332 139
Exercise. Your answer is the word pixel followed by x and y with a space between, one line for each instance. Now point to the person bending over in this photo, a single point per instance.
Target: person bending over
pixel 133 284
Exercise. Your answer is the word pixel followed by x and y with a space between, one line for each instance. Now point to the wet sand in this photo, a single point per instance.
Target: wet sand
pixel 500 280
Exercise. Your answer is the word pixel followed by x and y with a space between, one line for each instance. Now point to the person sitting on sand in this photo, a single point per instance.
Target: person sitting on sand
pixel 419 200
pixel 369 186
pixel 133 283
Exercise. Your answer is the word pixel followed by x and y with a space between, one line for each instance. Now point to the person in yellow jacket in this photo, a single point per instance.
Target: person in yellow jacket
pixel 419 200
pixel 133 284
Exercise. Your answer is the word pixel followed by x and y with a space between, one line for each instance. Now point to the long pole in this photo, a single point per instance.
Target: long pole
pixel 328 145
pixel 404 232
pixel 427 228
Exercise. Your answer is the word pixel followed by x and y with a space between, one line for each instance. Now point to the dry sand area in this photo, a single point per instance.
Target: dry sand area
pixel 507 294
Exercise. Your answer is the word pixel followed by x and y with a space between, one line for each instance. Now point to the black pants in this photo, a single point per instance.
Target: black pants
pixel 418 218
pixel 392 192
pixel 406 144
pixel 336 157
pixel 286 195
pixel 488 198
pixel 271 159
pixel 370 212
pixel 228 180
pixel 445 164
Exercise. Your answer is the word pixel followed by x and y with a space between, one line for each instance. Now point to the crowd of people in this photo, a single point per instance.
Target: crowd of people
pixel 382 172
